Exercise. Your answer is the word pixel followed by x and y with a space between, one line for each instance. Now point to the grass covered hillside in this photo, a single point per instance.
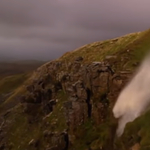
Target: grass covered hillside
pixel 131 47
pixel 67 104
pixel 13 75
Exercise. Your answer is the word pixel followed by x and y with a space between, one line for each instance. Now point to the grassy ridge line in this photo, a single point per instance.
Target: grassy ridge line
pixel 97 51
pixel 10 83
pixel 129 50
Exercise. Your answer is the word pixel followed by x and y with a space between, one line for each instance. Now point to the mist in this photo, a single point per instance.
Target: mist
pixel 134 100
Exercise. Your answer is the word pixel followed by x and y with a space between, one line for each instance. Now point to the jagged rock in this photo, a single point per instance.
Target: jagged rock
pixel 79 84
pixel 88 90
pixel 80 90
pixel 75 67
pixel 60 141
pixel 97 63
pixel 48 106
pixel 47 133
pixel 79 58
pixel 32 142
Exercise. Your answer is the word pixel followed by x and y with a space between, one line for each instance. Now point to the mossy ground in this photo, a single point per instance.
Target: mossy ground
pixel 132 47
pixel 22 128
pixel 20 131
pixel 138 132
pixel 10 83
pixel 57 117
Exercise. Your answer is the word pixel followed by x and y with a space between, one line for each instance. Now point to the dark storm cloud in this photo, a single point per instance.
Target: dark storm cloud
pixel 45 29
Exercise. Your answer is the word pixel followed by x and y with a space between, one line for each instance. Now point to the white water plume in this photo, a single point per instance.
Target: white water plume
pixel 134 99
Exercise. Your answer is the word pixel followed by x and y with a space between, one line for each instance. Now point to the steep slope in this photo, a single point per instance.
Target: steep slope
pixel 12 76
pixel 67 104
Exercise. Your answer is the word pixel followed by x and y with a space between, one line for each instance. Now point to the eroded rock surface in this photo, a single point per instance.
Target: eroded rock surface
pixel 89 91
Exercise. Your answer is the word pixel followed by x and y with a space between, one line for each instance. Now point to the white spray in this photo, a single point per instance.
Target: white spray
pixel 135 97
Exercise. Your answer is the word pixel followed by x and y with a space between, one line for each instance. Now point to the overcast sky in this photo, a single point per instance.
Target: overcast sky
pixel 45 29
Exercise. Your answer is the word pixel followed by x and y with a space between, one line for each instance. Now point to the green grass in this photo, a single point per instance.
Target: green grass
pixel 139 130
pixel 129 49
pixel 90 135
pixel 57 115
pixel 9 83
pixel 20 132
pixel 11 88
pixel 99 50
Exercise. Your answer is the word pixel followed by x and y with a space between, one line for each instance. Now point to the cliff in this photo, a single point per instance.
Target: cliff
pixel 67 104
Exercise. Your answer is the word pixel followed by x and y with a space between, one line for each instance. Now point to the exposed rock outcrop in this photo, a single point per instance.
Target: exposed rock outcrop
pixel 90 90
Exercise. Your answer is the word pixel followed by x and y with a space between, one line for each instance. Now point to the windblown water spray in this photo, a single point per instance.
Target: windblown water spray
pixel 135 97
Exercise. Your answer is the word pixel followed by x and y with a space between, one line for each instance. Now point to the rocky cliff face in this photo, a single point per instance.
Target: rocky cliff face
pixel 67 97
pixel 67 105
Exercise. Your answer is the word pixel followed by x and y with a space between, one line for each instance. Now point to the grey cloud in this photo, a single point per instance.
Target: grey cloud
pixel 28 13
pixel 45 29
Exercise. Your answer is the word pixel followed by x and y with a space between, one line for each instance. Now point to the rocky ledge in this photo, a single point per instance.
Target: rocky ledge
pixel 63 98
